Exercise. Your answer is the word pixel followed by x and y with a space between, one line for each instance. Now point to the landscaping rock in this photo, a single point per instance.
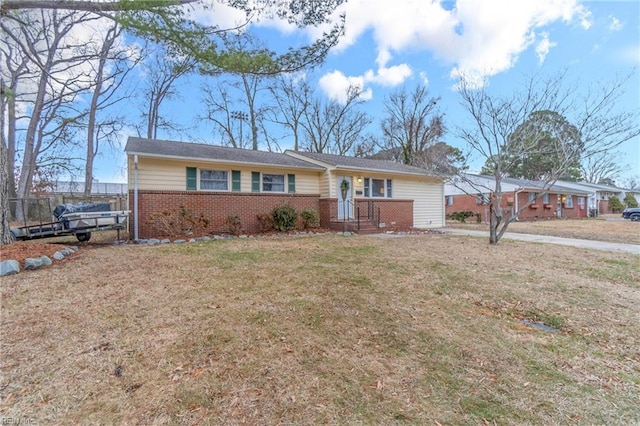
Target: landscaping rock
pixel 179 241
pixel 153 241
pixel 9 267
pixel 165 241
pixel 58 255
pixel 32 263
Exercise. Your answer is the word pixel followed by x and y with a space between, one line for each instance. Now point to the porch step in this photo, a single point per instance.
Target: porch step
pixel 365 227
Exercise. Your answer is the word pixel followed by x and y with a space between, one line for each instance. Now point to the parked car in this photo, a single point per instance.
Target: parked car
pixel 632 214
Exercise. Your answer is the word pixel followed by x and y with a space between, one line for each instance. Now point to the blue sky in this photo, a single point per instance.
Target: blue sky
pixel 413 42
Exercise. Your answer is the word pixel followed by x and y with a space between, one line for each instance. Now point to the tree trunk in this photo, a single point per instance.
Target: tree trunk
pixel 5 232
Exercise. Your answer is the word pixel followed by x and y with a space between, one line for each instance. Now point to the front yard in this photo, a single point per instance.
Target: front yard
pixel 325 329
pixel 611 228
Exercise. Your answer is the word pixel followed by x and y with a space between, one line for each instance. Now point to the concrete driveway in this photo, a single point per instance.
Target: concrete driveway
pixel 547 239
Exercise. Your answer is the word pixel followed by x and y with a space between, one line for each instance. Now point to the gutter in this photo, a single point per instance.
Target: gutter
pixel 219 161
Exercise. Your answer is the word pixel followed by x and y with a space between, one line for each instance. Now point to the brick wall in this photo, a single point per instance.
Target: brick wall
pixel 541 211
pixel 394 213
pixel 215 207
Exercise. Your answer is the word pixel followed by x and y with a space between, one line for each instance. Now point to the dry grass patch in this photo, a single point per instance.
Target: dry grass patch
pixel 325 329
pixel 600 229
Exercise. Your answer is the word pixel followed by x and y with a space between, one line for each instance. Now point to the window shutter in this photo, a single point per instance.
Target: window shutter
pixel 235 180
pixel 192 178
pixel 255 181
pixel 292 183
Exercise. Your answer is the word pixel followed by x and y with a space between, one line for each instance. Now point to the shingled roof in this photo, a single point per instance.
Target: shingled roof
pixel 359 163
pixel 197 151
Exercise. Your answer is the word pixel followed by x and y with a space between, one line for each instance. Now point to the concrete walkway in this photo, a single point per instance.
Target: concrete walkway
pixel 547 239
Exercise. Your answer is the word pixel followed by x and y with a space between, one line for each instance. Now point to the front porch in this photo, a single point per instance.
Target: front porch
pixel 366 216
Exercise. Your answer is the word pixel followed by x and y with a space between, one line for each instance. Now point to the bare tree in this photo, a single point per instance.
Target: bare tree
pixel 220 111
pixel 602 165
pixel 292 95
pixel 110 73
pixel 412 124
pixel 333 127
pixel 496 119
pixel 632 182
pixel 161 74
pixel 56 75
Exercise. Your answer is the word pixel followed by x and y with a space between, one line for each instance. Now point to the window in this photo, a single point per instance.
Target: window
pixel 380 188
pixel 214 180
pixel 291 183
pixel 545 198
pixel 532 197
pixel 272 183
pixel 255 181
pixel 568 203
pixel 581 202
pixel 192 180
pixel 449 200
pixel 482 198
pixel 377 187
pixel 235 181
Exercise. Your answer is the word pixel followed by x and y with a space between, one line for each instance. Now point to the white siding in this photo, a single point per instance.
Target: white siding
pixel 171 175
pixel 428 200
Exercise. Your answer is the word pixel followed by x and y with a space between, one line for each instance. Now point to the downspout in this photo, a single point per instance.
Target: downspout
pixel 135 198
pixel 515 203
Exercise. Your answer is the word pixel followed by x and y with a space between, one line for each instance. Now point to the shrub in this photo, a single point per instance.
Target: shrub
pixel 309 218
pixel 478 217
pixel 461 216
pixel 233 225
pixel 285 218
pixel 615 205
pixel 179 222
pixel 265 222
pixel 630 201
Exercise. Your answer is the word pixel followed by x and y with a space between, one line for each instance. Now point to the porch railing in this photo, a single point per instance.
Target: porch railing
pixel 364 211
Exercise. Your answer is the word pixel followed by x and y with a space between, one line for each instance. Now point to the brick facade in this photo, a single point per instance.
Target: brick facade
pixel 394 213
pixel 539 210
pixel 215 207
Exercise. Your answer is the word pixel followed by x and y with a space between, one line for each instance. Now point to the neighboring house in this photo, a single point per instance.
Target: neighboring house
pixel 599 195
pixel 217 182
pixel 97 188
pixel 473 194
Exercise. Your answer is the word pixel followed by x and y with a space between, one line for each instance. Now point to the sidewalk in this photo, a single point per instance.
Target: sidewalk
pixel 547 239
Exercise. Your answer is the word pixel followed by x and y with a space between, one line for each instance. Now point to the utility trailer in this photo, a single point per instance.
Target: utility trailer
pixel 69 219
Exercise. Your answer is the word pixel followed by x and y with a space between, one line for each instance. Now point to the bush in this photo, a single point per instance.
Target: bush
pixel 265 222
pixel 461 216
pixel 233 225
pixel 309 218
pixel 630 201
pixel 615 205
pixel 179 222
pixel 285 218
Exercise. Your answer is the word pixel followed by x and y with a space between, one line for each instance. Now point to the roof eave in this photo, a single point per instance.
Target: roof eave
pixel 218 161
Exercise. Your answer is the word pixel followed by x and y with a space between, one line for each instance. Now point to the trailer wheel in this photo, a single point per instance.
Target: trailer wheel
pixel 83 236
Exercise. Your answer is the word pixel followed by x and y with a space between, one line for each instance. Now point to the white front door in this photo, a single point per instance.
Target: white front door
pixel 345 206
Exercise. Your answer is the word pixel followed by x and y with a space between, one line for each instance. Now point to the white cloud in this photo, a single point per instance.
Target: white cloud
pixel 480 38
pixel 389 77
pixel 615 24
pixel 335 85
pixel 543 47
pixel 216 14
